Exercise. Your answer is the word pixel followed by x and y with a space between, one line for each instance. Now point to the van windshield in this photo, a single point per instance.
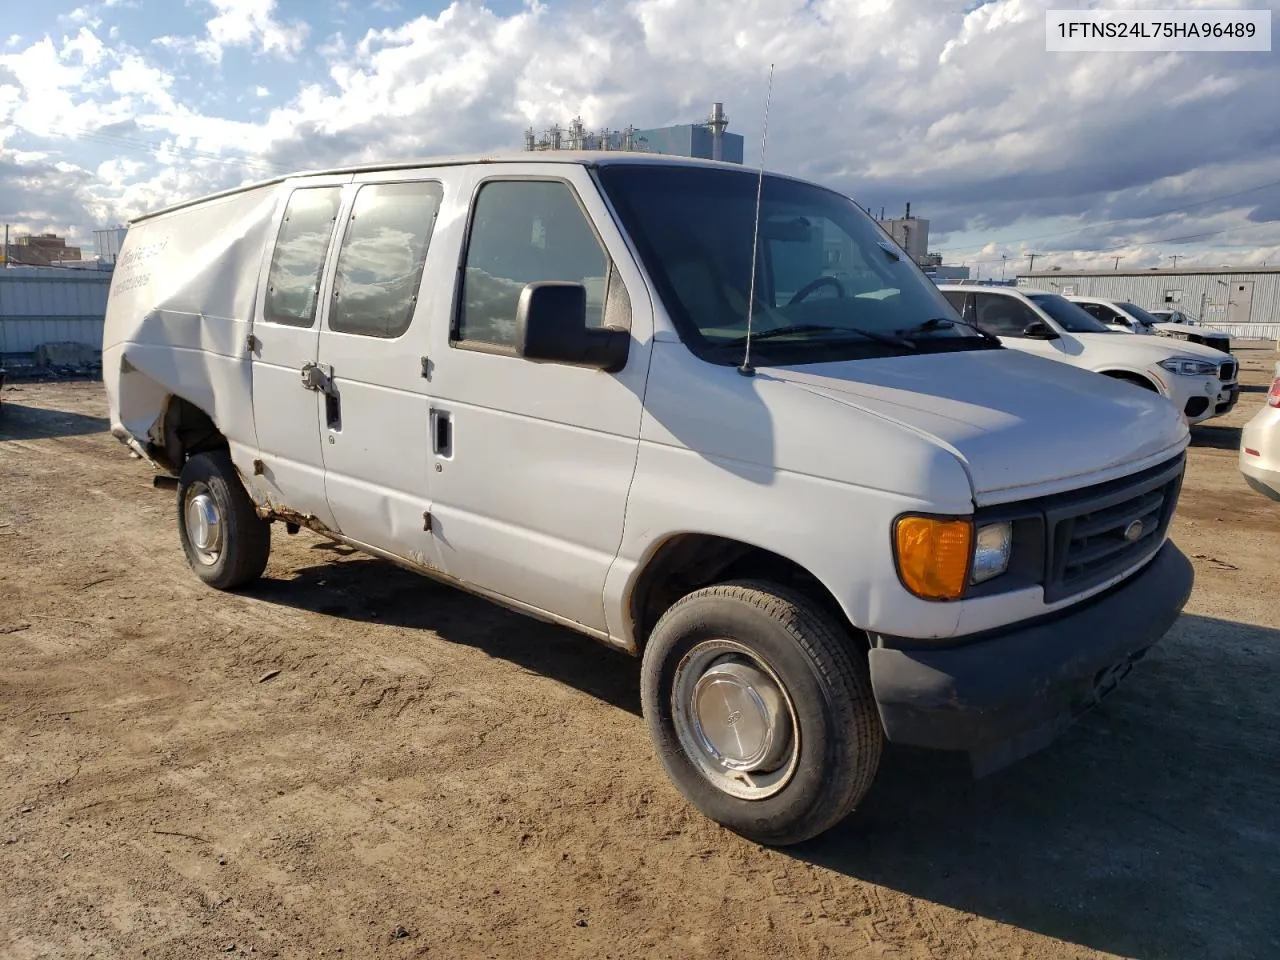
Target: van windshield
pixel 830 284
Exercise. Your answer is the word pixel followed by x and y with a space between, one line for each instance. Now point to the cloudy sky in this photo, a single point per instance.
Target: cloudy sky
pixel 112 107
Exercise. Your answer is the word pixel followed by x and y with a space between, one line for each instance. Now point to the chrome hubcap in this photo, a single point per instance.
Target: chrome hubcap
pixel 734 719
pixel 204 523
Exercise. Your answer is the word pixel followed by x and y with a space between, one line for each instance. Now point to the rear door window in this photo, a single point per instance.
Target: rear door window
pixel 383 252
pixel 293 282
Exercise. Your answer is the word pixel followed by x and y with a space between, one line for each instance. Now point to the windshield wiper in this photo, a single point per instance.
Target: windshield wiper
pixel 895 341
pixel 946 323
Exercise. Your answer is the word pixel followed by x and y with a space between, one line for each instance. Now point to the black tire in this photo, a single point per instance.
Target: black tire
pixel 245 537
pixel 826 678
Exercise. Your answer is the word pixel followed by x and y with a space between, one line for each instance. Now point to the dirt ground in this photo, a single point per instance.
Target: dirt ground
pixel 349 760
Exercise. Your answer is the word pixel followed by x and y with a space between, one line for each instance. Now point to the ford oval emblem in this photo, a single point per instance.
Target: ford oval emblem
pixel 1133 531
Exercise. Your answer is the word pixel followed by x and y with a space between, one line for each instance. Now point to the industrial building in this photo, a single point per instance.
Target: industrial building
pixel 911 234
pixel 40 250
pixel 109 242
pixel 709 140
pixel 51 316
pixel 1244 301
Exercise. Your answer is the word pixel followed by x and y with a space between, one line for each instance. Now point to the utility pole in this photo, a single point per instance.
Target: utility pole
pixel 1174 257
pixel 1118 259
pixel 1031 267
pixel 5 258
pixel 1004 262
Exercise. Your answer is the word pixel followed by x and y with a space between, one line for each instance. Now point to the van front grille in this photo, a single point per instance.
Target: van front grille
pixel 1096 534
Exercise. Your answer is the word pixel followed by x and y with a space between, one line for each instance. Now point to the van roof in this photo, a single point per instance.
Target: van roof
pixel 587 158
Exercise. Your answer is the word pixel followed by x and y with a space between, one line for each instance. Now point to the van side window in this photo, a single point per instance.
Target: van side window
pixel 383 251
pixel 1003 316
pixel 293 283
pixel 523 231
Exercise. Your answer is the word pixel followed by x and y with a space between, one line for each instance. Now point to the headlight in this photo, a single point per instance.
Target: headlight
pixel 933 555
pixel 938 557
pixel 991 549
pixel 1189 366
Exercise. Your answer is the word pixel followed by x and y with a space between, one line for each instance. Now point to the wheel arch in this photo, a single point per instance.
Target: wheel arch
pixel 1132 376
pixel 684 562
pixel 184 429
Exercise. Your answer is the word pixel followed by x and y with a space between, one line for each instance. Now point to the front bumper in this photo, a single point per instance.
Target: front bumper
pixel 1199 406
pixel 1007 695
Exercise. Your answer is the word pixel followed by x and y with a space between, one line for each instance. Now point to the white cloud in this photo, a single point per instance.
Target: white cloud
pixel 14 40
pixel 251 23
pixel 83 15
pixel 962 113
pixel 137 79
pixel 87 45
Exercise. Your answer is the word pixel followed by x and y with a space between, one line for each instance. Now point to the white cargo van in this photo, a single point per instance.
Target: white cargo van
pixel 529 377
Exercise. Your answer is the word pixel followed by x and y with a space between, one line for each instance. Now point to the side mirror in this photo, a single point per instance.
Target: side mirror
pixel 551 327
pixel 1039 330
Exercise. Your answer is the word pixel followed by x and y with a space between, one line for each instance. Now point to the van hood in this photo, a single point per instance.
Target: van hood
pixel 1020 425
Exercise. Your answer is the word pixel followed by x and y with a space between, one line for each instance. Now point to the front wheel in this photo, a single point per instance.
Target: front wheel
pixel 226 542
pixel 761 711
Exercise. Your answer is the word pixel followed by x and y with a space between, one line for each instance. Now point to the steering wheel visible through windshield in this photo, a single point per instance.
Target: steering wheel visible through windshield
pixel 829 282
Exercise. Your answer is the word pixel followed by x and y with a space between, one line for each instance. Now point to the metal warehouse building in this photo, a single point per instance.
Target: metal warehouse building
pixel 1244 301
pixel 45 306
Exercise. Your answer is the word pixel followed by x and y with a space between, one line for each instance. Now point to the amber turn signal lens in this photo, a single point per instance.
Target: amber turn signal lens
pixel 933 556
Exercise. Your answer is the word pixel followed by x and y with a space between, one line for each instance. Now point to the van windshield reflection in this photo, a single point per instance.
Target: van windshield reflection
pixel 829 283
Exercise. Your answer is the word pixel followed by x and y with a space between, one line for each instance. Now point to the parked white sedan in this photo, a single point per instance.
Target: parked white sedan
pixel 1200 381
pixel 1260 445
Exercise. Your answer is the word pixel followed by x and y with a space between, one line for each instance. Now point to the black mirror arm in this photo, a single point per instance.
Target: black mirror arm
pixel 607 348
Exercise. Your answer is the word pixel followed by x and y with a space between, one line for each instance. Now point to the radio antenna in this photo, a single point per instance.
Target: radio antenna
pixel 747 370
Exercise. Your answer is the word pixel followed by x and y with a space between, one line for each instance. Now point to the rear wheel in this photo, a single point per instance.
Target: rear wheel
pixel 226 542
pixel 761 710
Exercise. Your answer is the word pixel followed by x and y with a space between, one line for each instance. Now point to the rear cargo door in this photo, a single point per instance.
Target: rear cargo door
pixel 373 350
pixel 288 394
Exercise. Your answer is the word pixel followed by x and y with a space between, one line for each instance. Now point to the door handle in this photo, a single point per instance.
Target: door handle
pixel 317 376
pixel 442 433
pixel 333 408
